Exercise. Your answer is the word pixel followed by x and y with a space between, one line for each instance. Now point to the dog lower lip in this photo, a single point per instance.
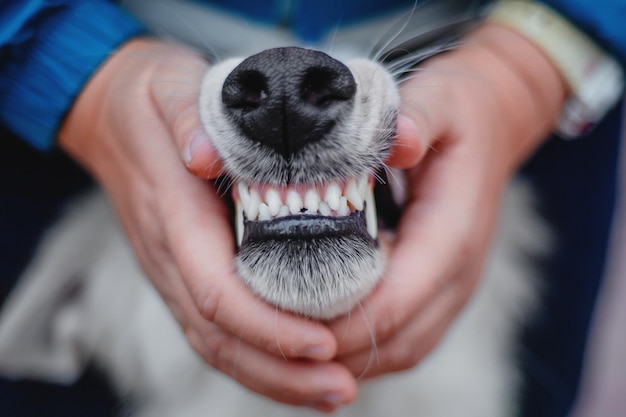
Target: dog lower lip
pixel 306 227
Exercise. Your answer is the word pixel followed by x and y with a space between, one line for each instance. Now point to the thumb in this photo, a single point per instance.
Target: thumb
pixel 176 91
pixel 418 126
pixel 409 146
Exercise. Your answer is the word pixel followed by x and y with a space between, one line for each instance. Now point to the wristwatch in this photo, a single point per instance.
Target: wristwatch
pixel 595 79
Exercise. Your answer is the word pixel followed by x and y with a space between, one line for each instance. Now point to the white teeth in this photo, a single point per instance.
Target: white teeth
pixel 283 212
pixel 353 196
pixel 253 206
pixel 239 222
pixel 362 185
pixel 312 201
pixel 343 209
pixel 358 195
pixel 333 194
pixel 294 202
pixel 371 219
pixel 244 194
pixel 264 212
pixel 324 209
pixel 272 198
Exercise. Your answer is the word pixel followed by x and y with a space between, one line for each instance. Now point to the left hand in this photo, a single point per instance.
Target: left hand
pixel 469 117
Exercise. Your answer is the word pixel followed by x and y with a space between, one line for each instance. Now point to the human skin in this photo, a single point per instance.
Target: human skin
pixel 468 119
pixel 471 116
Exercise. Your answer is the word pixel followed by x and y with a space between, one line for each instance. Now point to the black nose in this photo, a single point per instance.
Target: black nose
pixel 286 98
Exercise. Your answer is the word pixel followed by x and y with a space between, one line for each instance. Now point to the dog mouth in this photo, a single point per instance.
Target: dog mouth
pixel 308 249
pixel 336 209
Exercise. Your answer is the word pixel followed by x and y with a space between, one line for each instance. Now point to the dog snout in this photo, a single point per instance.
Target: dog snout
pixel 286 98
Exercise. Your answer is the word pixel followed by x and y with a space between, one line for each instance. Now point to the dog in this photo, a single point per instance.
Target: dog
pixel 307 231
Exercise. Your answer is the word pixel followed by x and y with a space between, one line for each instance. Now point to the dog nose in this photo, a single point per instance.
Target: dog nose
pixel 286 98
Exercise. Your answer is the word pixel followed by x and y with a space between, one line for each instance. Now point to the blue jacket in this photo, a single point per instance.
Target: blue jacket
pixel 49 48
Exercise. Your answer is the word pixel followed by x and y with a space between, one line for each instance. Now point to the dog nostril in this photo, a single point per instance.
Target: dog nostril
pixel 323 86
pixel 288 98
pixel 247 91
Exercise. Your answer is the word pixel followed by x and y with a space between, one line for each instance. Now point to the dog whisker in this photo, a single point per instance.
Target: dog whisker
pixel 374 357
pixel 222 185
pixel 277 335
pixel 403 22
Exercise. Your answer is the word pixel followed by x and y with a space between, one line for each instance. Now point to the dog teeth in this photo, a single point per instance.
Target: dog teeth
pixel 354 196
pixel 324 209
pixel 357 195
pixel 312 201
pixel 363 186
pixel 264 212
pixel 239 222
pixel 294 202
pixel 244 194
pixel 333 194
pixel 283 212
pixel 272 198
pixel 253 206
pixel 371 218
pixel 343 209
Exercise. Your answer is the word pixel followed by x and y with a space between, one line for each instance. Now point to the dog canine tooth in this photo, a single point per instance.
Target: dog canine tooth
pixel 353 195
pixel 239 222
pixel 272 198
pixel 244 193
pixel 371 219
pixel 294 202
pixel 333 194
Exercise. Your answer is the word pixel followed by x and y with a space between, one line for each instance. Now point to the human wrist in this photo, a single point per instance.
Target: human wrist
pixel 533 90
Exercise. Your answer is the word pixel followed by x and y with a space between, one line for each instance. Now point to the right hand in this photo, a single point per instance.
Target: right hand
pixel 136 128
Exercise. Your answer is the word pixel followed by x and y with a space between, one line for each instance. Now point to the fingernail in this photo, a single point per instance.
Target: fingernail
pixel 333 398
pixel 321 352
pixel 328 402
pixel 198 140
pixel 407 126
pixel 409 146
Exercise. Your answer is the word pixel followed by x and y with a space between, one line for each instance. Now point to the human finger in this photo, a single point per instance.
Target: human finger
pixel 202 244
pixel 442 237
pixel 175 88
pixel 406 348
pixel 321 385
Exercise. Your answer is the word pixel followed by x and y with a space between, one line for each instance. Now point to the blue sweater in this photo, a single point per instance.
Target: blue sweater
pixel 49 49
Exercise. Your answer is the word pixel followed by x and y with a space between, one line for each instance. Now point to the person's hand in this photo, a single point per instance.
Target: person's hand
pixel 469 117
pixel 136 128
